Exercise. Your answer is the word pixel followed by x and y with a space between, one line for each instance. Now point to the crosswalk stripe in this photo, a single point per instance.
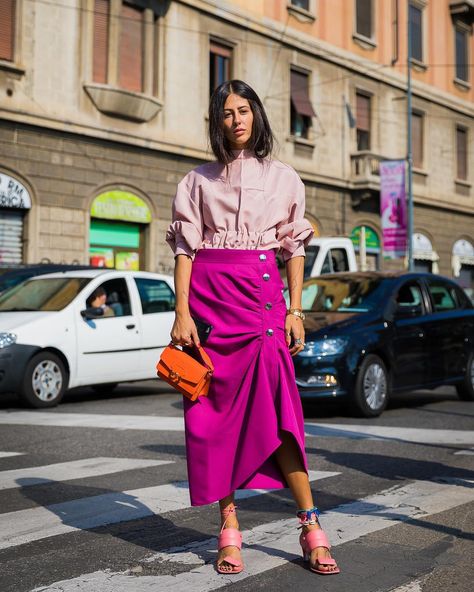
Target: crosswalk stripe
pixel 76 469
pixel 176 424
pixel 25 526
pixel 8 454
pixel 469 452
pixel 268 546
pixel 414 586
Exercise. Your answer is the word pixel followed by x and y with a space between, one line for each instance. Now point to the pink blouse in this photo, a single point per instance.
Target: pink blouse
pixel 259 205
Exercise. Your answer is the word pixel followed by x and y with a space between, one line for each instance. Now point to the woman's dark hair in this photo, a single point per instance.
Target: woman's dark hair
pixel 261 140
pixel 95 294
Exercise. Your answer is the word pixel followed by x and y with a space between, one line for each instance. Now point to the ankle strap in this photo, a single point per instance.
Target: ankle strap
pixel 309 516
pixel 226 512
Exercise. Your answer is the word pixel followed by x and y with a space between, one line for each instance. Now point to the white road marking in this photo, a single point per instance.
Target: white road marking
pixel 465 452
pixel 414 586
pixel 270 545
pixel 76 469
pixel 25 526
pixel 8 454
pixel 176 424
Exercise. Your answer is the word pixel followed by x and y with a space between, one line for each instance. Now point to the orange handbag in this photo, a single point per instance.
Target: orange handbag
pixel 190 375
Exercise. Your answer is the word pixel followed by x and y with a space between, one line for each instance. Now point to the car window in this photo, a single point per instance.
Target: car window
pixel 155 295
pixel 410 297
pixel 117 299
pixel 311 252
pixel 326 267
pixel 339 260
pixel 443 296
pixel 43 294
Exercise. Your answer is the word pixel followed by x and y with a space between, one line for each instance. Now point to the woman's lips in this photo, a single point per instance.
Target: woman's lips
pixel 239 132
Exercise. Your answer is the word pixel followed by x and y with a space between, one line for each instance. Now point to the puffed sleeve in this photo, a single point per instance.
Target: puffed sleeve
pixel 295 233
pixel 184 234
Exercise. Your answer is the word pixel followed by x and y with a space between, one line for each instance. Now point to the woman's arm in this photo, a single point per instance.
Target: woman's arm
pixel 184 329
pixel 293 324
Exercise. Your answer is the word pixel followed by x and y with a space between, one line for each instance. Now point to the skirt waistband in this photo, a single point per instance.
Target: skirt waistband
pixel 235 256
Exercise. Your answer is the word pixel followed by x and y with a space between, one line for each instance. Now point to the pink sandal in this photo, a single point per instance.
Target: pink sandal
pixel 313 539
pixel 229 537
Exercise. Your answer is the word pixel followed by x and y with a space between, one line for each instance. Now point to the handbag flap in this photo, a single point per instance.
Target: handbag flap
pixel 186 367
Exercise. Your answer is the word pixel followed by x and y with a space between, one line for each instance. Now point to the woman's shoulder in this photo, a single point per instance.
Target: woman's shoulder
pixel 207 170
pixel 284 170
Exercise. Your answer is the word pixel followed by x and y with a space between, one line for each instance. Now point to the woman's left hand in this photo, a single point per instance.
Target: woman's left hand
pixel 294 328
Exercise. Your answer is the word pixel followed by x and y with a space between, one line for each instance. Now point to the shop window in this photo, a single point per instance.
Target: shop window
pixel 302 110
pixel 364 25
pixel 372 247
pixel 117 298
pixel 7 29
pixel 417 139
pixel 363 119
pixel 416 29
pixel 461 153
pixel 155 295
pixel 461 42
pixel 220 63
pixel 128 49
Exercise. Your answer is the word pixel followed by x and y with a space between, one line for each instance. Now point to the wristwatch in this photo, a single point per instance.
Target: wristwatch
pixel 297 312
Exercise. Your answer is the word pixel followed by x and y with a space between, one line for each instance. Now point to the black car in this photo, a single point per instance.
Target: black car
pixel 370 334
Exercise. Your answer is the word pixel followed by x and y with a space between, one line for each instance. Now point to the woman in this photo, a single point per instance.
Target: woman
pixel 229 219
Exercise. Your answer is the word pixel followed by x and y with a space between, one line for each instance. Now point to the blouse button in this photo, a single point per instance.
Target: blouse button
pixel 262 257
pixel 269 332
pixel 266 276
pixel 268 305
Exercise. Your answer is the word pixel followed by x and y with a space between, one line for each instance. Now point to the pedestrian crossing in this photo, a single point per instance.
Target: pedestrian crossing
pixel 268 545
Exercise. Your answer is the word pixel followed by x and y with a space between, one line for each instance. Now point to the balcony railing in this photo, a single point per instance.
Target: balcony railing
pixel 365 167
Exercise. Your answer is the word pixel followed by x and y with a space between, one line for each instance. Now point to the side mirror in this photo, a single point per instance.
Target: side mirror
pixel 407 312
pixel 92 313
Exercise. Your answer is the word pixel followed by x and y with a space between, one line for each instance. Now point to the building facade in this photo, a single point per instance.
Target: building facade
pixel 103 110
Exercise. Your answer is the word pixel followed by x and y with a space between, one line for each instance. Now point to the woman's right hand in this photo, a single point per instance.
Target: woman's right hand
pixel 184 330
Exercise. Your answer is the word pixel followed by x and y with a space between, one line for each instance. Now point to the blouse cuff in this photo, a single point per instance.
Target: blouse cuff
pixel 184 238
pixel 293 238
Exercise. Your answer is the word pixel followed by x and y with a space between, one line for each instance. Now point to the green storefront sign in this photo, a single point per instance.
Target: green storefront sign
pixel 372 241
pixel 120 205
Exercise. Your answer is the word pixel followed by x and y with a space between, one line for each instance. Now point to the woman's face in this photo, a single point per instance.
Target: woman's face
pixel 238 121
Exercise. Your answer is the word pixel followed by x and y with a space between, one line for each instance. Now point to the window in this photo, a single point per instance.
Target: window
pixel 301 108
pixel 125 48
pixel 461 153
pixel 220 57
pixel 417 139
pixel 335 261
pixel 7 29
pixel 155 295
pixel 443 296
pixel 117 297
pixel 363 121
pixel 304 4
pixel 462 54
pixel 410 299
pixel 416 29
pixel 364 18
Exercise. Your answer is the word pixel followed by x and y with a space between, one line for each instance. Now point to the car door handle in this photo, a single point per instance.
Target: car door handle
pixel 421 334
pixel 130 326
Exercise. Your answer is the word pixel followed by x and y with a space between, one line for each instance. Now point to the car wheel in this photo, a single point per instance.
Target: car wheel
pixel 466 388
pixel 45 381
pixel 371 387
pixel 105 387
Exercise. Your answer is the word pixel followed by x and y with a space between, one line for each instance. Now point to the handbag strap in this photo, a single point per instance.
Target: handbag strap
pixel 204 355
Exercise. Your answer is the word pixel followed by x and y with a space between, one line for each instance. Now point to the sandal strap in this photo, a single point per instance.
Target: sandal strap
pixel 230 537
pixel 309 516
pixel 316 538
pixel 231 561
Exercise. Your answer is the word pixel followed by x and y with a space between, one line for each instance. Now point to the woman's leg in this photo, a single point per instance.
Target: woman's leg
pixel 289 461
pixel 231 522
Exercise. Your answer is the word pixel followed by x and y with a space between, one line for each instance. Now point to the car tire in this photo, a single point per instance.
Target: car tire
pixel 44 382
pixel 371 389
pixel 104 388
pixel 465 390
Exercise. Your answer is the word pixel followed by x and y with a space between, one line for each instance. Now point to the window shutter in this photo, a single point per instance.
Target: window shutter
pixel 416 24
pixel 363 113
pixel 461 153
pixel 417 139
pixel 364 17
pixel 131 48
pixel 7 29
pixel 461 42
pixel 101 40
pixel 300 94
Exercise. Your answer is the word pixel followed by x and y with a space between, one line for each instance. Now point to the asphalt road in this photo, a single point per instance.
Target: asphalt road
pixel 93 498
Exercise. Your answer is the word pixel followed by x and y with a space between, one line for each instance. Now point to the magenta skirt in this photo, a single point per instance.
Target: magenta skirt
pixel 232 433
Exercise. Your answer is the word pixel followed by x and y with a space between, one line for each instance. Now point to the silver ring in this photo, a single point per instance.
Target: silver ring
pixel 299 341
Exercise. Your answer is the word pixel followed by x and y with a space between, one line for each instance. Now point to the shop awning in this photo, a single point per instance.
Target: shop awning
pixel 300 95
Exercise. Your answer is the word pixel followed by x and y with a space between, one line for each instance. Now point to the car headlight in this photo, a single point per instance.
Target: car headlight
pixel 324 347
pixel 7 339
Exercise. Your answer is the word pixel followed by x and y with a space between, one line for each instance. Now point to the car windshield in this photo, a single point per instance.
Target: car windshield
pixel 45 294
pixel 351 295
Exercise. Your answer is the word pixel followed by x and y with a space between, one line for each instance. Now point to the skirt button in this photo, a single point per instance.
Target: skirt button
pixel 268 305
pixel 269 332
pixel 262 257
pixel 266 276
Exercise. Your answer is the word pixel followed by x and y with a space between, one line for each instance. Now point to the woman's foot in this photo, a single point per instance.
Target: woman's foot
pixel 315 544
pixel 319 554
pixel 229 559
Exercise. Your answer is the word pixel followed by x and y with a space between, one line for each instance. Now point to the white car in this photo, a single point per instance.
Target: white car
pixel 52 339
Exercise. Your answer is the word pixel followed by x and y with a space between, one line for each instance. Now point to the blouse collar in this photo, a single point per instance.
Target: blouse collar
pixel 244 153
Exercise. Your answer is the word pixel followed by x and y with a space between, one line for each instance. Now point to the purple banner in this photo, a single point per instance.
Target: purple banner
pixel 393 208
